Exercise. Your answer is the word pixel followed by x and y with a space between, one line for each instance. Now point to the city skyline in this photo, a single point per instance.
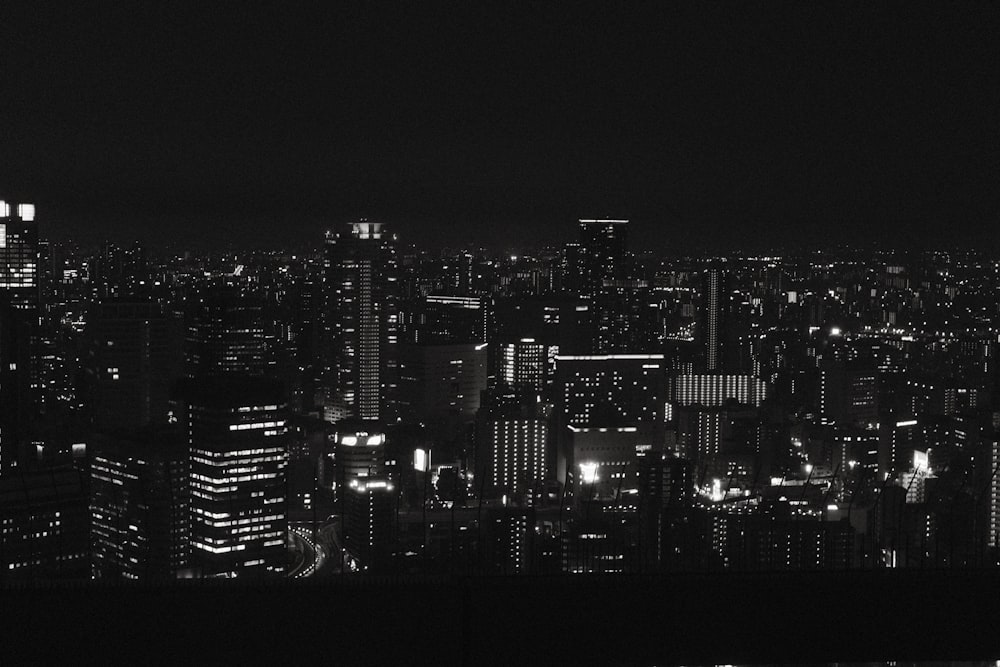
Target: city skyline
pixel 624 334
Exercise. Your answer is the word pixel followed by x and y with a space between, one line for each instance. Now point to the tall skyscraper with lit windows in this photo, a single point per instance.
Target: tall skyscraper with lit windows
pixel 19 255
pixel 361 292
pixel 20 379
pixel 238 433
pixel 712 321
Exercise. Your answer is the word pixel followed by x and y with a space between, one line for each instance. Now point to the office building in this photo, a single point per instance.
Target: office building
pixel 603 245
pixel 139 506
pixel 238 433
pixel 19 283
pixel 19 255
pixel 848 392
pixel 43 526
pixel 443 319
pixel 611 390
pixel 440 384
pixel 226 336
pixel 526 365
pixel 138 355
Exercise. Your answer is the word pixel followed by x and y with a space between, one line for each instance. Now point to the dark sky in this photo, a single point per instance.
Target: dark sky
pixel 704 122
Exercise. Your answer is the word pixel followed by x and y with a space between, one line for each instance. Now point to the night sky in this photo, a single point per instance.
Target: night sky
pixel 711 123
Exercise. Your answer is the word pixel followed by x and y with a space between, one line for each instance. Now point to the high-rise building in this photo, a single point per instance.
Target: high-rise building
pixel 362 328
pixel 120 272
pixel 994 521
pixel 369 522
pixel 15 387
pixel 43 525
pixel 441 319
pixel 848 392
pixel 226 336
pixel 441 384
pixel 611 390
pixel 603 249
pixel 711 329
pixel 238 435
pixel 512 442
pixel 359 451
pixel 19 255
pixel 140 523
pixel 19 281
pixel 525 365
pixel 138 355
pixel 716 390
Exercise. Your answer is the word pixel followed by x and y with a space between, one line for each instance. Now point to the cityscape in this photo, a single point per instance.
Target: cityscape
pixel 490 335
pixel 369 407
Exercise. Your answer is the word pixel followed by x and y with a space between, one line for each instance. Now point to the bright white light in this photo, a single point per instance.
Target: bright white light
pixel 920 460
pixel 420 460
pixel 349 440
pixel 375 440
pixel 809 468
pixel 831 507
pixel 835 331
pixel 26 212
pixel 776 481
pixel 717 490
pixel 851 464
pixel 588 472
pixel 4 209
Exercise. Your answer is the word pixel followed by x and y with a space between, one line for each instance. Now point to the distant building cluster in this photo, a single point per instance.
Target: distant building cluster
pixel 365 406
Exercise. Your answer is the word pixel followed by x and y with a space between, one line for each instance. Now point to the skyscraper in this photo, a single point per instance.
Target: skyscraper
pixel 140 521
pixel 226 335
pixel 138 354
pixel 19 255
pixel 359 451
pixel 710 329
pixel 19 280
pixel 15 386
pixel 361 330
pixel 369 509
pixel 43 525
pixel 602 246
pixel 238 434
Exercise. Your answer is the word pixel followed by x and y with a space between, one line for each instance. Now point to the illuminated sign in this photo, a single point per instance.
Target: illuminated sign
pixel 26 212
pixel 3 235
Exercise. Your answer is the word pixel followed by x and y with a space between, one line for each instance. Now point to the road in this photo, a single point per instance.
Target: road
pixel 314 555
